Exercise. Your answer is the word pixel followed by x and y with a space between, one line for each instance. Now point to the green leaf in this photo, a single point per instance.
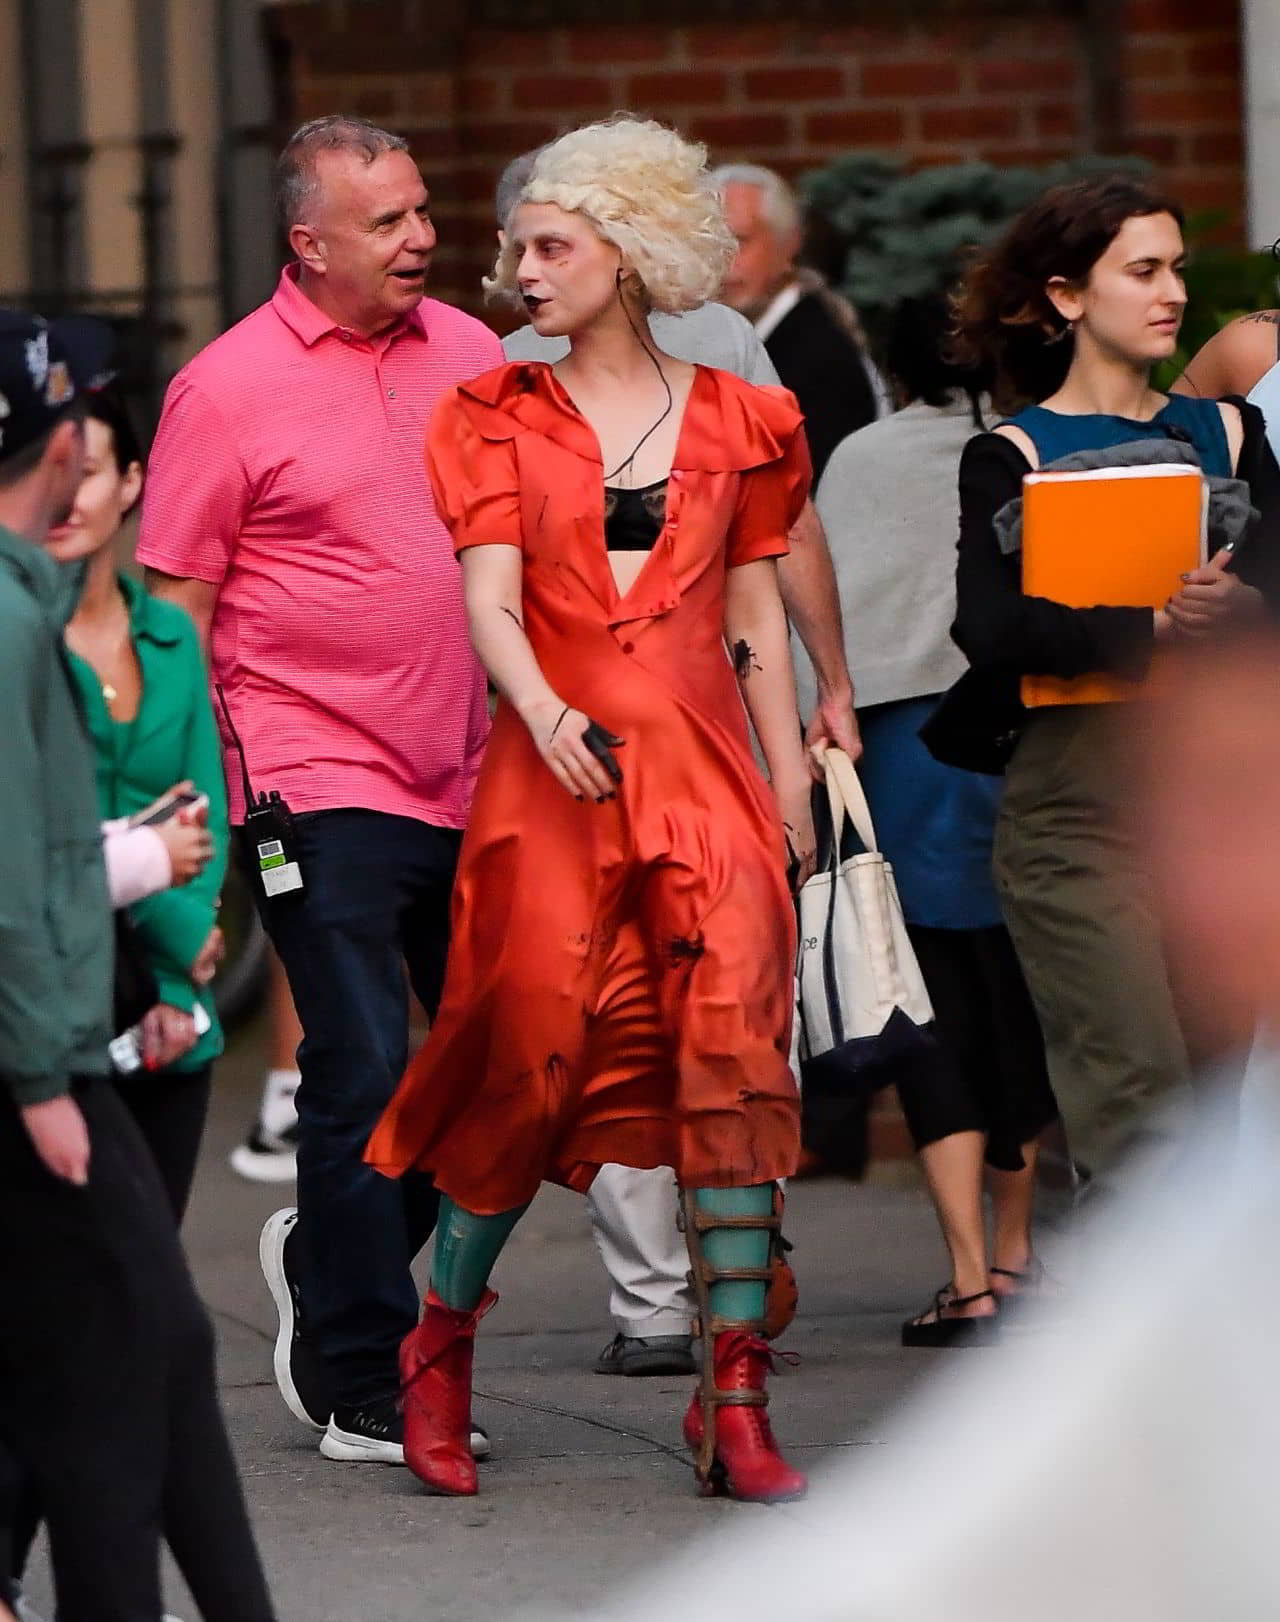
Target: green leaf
pixel 900 233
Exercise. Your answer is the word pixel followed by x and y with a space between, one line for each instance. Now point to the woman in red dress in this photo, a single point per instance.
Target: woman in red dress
pixel 620 979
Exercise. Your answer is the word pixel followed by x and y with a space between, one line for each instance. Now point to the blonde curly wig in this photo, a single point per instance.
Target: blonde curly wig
pixel 645 189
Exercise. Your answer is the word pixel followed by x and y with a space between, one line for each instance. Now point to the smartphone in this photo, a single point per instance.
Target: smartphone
pixel 170 806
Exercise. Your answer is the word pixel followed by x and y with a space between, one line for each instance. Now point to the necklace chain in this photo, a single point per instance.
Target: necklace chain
pixel 122 642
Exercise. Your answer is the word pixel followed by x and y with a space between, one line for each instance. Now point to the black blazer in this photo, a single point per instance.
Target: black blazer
pixel 822 366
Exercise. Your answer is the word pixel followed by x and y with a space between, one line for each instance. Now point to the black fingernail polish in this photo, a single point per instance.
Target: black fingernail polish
pixel 601 798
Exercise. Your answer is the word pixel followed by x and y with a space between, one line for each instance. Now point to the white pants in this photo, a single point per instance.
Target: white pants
pixel 644 1254
pixel 633 1218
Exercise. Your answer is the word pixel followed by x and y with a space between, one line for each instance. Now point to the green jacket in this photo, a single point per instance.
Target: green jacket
pixel 172 736
pixel 57 942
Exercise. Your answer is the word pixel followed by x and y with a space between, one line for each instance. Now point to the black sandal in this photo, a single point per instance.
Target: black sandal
pixel 1026 1279
pixel 951 1331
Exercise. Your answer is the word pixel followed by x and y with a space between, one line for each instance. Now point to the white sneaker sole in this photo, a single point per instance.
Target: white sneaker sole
pixel 270 1258
pixel 263 1166
pixel 349 1449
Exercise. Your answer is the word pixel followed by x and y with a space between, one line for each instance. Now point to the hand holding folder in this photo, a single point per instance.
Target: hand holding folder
pixel 1118 537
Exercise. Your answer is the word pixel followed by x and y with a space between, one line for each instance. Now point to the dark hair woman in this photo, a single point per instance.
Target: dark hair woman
pixel 887 501
pixel 145 699
pixel 922 365
pixel 1072 308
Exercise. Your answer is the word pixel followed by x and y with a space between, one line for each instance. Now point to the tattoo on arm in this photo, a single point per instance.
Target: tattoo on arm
pixel 744 659
pixel 515 617
pixel 1269 318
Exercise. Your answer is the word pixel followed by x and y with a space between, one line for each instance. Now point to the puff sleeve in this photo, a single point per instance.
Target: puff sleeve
pixel 770 500
pixel 473 477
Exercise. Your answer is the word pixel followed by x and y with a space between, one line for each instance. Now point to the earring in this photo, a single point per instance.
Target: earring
pixel 1062 333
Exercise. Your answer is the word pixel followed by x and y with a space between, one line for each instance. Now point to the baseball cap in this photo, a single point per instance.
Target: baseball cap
pixel 37 381
pixel 89 345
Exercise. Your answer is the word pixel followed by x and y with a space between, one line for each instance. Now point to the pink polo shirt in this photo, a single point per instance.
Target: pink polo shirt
pixel 288 471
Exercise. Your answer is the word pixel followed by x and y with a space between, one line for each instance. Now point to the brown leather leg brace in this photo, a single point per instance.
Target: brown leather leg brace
pixel 703 1274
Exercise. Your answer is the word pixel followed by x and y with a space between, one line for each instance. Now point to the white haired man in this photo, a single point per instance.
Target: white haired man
pixel 633 1212
pixel 811 334
pixel 288 512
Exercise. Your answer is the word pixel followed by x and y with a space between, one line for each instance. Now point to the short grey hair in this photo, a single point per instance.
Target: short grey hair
pixel 780 206
pixel 296 183
pixel 511 182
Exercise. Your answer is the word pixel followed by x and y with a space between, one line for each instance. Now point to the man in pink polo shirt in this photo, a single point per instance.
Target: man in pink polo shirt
pixel 288 511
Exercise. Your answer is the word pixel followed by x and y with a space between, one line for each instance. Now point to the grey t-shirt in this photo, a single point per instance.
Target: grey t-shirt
pixel 712 335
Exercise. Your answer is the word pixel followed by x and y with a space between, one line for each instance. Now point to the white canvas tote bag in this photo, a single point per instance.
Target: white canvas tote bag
pixel 857 967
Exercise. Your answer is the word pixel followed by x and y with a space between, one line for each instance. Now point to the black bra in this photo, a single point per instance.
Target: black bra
pixel 633 519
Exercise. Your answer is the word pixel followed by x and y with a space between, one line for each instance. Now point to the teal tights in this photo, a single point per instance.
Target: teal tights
pixel 466 1248
pixel 737 1247
pixel 468 1245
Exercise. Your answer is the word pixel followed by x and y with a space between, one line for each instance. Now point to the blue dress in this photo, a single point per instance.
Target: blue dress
pixel 1075 885
pixel 934 823
pixel 1055 434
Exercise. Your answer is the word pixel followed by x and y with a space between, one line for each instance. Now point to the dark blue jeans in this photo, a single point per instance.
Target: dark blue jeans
pixel 375 900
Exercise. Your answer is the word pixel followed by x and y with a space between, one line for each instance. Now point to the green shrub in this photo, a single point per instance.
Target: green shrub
pixel 894 234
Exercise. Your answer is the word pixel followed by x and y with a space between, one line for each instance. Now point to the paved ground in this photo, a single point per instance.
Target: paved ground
pixel 588 1485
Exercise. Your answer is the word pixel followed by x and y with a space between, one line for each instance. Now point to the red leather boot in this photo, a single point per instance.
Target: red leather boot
pixel 746 1463
pixel 435 1385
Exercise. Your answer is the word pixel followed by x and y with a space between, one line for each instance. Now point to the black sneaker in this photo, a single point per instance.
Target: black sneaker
pixel 300 1373
pixel 267 1157
pixel 374 1434
pixel 647 1354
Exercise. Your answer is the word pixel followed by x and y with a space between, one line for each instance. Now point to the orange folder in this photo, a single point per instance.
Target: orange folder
pixel 1112 537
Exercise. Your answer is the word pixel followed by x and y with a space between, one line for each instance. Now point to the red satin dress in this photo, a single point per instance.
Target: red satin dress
pixel 619 985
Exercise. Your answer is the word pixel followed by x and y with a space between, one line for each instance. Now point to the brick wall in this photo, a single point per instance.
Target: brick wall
pixel 1012 89
pixel 1182 67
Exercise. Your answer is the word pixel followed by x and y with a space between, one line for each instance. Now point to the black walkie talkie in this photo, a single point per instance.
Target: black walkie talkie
pixel 268 826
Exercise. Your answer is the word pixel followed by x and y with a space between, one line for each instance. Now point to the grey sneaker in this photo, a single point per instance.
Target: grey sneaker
pixel 647 1354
